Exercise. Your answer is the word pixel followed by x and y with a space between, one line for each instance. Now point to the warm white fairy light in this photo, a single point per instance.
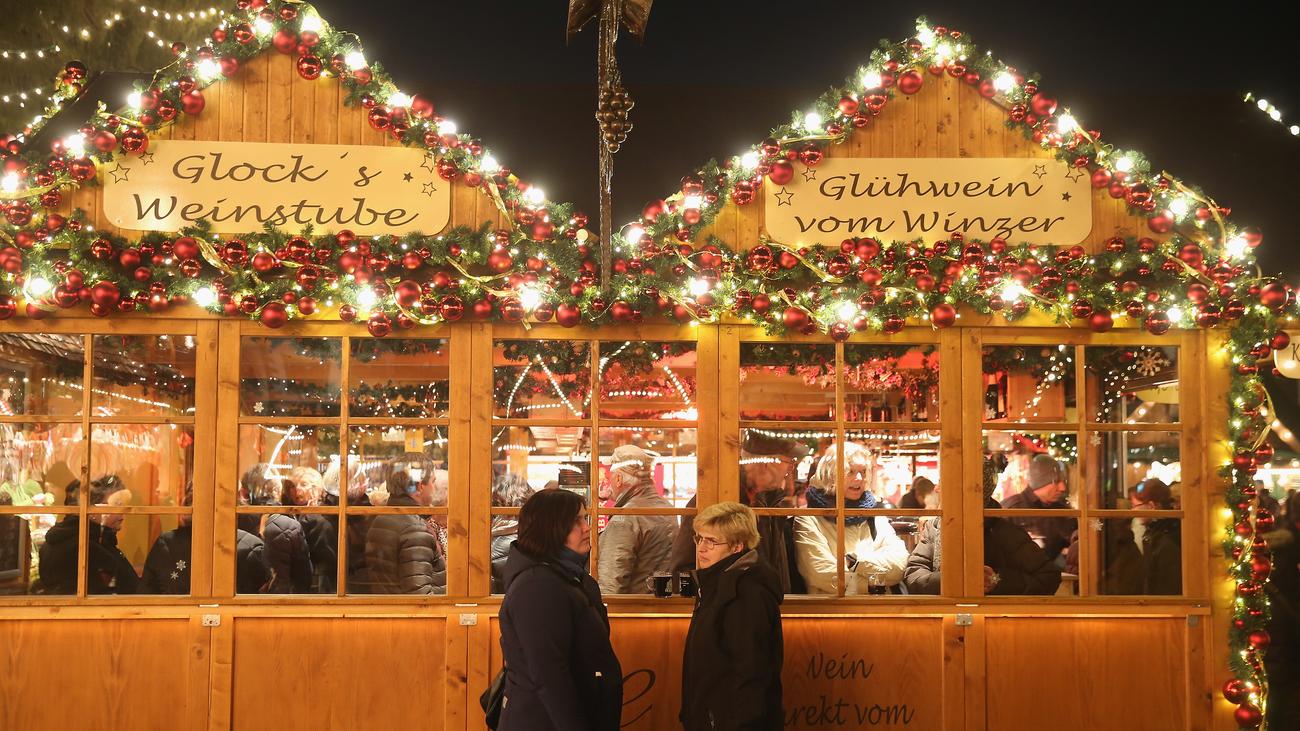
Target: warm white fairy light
pixel 398 99
pixel 847 311
pixel 204 297
pixel 10 182
pixel 355 60
pixel 750 160
pixel 1004 82
pixel 812 121
pixel 489 164
pixel 530 298
pixel 698 287
pixel 1066 123
pixel 692 202
pixel 446 127
pixel 872 80
pixel 1124 164
pixel 263 26
pixel 366 298
pixel 535 195
pixel 632 235
pixel 311 23
pixel 38 286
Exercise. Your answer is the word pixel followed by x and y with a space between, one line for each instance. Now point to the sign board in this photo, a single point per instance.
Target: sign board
pixel 1022 200
pixel 240 187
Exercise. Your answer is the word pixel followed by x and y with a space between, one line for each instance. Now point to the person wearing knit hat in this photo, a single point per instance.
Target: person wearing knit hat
pixel 1144 555
pixel 1046 491
pixel 633 548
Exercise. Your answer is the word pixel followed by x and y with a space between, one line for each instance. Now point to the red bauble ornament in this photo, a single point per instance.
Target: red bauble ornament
pixel 192 102
pixel 893 324
pixel 568 315
pixel 307 305
pixel 274 315
pixel 229 66
pixel 810 154
pixel 285 41
pixel 1235 691
pixel 794 318
pixel 8 307
pixel 840 331
pixel 379 117
pixel 512 310
pixel 1247 716
pixel 135 141
pixel 406 293
pixel 105 141
pixel 347 313
pixel 379 325
pixel 1162 222
pixel 264 262
pixel 310 67
pixel 1081 309
pixel 81 169
pixel 1208 315
pixel 105 294
pixel 1042 105
pixel 943 315
pixel 500 261
pixel 451 308
pixel 1157 323
pixel 782 172
pixel 1273 295
pixel 1101 320
pixel 910 81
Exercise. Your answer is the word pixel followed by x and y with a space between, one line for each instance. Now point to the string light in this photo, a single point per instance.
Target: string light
pixel 1273 112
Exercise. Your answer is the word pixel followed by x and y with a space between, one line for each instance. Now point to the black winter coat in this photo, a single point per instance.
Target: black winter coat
pixel 1054 530
pixel 287 555
pixel 323 546
pixel 251 572
pixel 731 667
pixel 403 556
pixel 561 671
pixel 1022 567
pixel 110 572
pixel 167 568
pixel 1155 569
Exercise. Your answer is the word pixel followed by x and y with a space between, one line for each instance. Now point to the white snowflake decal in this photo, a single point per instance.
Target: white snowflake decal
pixel 1095 524
pixel 259 407
pixel 175 575
pixel 1150 362
pixel 1094 439
pixel 180 565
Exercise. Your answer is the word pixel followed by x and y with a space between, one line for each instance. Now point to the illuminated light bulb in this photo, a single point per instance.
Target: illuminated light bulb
pixel 633 235
pixel 1262 104
pixel 872 80
pixel 1012 292
pixel 311 24
pixel 489 164
pixel 943 51
pixel 925 35
pixel 1179 207
pixel 1236 247
pixel 355 60
pixel 1124 164
pixel 398 99
pixel 133 100
pixel 446 127
pixel 75 144
pixel 1295 129
pixel 1066 123
pixel 39 286
pixel 530 298
pixel 812 121
pixel 1175 314
pixel 699 287
pixel 847 311
pixel 1004 82
pixel 205 297
pixel 208 69
pixel 262 26
pixel 692 201
pixel 1275 114
pixel 749 160
pixel 535 195
pixel 9 183
pixel 366 298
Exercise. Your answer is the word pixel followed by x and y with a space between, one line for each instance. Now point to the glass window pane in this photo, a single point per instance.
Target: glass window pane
pixel 1135 470
pixel 1141 555
pixel 891 383
pixel 398 554
pixel 1041 473
pixel 1018 560
pixel 40 464
pixel 154 462
pixel 289 376
pixel 904 467
pixel 393 465
pixel 776 465
pixel 541 379
pixel 667 473
pixel 544 456
pixel 787 381
pixel 1029 383
pixel 647 380
pixel 1132 384
pixel 41 374
pixel 285 465
pixel 143 375
pixel 286 554
pixel 405 379
pixel 21 537
pixel 118 547
pixel 165 568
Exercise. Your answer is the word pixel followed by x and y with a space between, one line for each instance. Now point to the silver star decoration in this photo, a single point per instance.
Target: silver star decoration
pixel 428 189
pixel 1074 174
pixel 181 564
pixel 783 197
pixel 146 158
pixel 119 174
pixel 809 175
pixel 1040 171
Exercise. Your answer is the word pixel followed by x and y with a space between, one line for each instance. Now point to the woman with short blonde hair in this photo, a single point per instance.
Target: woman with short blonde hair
pixel 731 667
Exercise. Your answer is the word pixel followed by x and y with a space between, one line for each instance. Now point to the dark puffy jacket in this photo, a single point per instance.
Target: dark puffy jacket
pixel 110 572
pixel 323 547
pixel 167 568
pixel 1022 567
pixel 1054 530
pixel 731 666
pixel 1155 569
pixel 402 556
pixel 562 674
pixel 287 555
pixel 251 572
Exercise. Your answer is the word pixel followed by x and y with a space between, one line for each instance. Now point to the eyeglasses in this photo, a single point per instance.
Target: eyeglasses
pixel 708 543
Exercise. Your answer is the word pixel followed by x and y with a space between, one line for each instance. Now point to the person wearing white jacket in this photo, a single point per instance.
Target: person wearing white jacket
pixel 875 555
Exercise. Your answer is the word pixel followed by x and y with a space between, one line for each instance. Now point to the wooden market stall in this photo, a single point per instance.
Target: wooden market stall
pixel 163 398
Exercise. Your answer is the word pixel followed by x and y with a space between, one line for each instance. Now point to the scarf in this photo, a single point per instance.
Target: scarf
pixel 572 559
pixel 818 498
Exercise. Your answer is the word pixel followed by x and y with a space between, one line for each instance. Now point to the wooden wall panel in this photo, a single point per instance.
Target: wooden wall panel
pixel 94 674
pixel 333 673
pixel 1065 673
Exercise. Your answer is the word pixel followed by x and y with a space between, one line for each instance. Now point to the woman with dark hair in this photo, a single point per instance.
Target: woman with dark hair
pixel 561 671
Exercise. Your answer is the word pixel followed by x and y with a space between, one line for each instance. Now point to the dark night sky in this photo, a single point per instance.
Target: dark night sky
pixel 714 77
